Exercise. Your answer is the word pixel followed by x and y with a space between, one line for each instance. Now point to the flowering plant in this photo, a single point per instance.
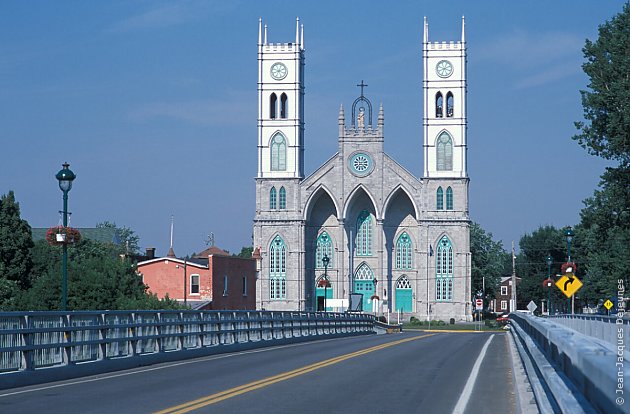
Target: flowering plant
pixel 60 235
pixel 568 267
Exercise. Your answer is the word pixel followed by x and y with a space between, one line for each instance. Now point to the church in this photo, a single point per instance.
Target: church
pixel 361 230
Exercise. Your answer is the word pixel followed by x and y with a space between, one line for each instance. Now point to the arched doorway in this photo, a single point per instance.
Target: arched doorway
pixel 364 284
pixel 403 295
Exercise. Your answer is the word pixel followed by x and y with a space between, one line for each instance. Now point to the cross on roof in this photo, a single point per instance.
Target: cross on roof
pixel 362 85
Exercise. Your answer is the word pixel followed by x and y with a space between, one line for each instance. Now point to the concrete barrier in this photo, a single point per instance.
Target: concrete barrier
pixel 593 368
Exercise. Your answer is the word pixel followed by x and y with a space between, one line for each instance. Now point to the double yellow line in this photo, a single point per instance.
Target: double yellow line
pixel 233 392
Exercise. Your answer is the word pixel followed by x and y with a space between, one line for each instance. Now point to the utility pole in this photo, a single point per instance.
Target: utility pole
pixel 513 279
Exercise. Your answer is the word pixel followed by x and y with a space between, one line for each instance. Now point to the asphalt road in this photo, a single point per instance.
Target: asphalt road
pixel 411 372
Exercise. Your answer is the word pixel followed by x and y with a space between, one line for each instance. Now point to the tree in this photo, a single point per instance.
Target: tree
pixel 129 240
pixel 15 244
pixel 246 252
pixel 531 263
pixel 604 232
pixel 607 104
pixel 488 260
pixel 98 279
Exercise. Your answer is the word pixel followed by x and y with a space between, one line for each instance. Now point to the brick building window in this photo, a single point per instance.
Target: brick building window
pixel 225 285
pixel 504 305
pixel 504 291
pixel 194 284
pixel 244 286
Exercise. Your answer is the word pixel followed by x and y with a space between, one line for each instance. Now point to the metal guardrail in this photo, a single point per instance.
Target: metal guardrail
pixel 69 341
pixel 580 374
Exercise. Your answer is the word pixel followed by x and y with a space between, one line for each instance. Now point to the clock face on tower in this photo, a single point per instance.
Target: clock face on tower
pixel 360 164
pixel 278 71
pixel 444 69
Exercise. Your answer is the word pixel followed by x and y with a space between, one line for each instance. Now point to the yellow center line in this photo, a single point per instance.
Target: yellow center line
pixel 233 392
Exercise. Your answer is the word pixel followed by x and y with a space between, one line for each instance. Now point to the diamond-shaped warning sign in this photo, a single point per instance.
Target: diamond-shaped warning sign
pixel 569 284
pixel 608 304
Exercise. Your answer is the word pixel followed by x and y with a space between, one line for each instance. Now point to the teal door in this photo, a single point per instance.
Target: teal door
pixel 403 300
pixel 320 298
pixel 365 287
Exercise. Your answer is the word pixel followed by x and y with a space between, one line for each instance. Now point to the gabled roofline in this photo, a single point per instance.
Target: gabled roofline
pixel 171 259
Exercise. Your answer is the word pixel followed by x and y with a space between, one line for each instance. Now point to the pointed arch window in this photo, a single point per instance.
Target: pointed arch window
pixel 404 251
pixel 364 273
pixel 449 105
pixel 283 198
pixel 439 199
pixel 324 248
pixel 444 149
pixel 273 104
pixel 444 270
pixel 278 152
pixel 449 198
pixel 277 269
pixel 283 106
pixel 364 234
pixel 272 198
pixel 439 104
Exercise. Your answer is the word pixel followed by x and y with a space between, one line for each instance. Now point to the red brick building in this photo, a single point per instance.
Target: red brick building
pixel 211 279
pixel 501 302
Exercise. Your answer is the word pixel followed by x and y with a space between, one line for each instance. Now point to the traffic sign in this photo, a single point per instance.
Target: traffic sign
pixel 478 304
pixel 569 284
pixel 531 306
pixel 608 304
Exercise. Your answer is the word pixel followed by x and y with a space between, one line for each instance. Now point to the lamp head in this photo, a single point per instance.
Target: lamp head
pixel 569 234
pixel 325 260
pixel 549 260
pixel 65 178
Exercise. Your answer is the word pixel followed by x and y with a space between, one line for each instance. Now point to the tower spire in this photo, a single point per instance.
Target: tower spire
pixel 259 31
pixel 171 252
pixel 463 30
pixel 265 38
pixel 297 30
pixel 302 37
pixel 426 30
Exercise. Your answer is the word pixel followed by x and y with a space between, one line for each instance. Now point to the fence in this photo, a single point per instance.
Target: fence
pixel 83 343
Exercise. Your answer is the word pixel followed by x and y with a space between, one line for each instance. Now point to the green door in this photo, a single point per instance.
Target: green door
pixel 403 300
pixel 320 302
pixel 365 287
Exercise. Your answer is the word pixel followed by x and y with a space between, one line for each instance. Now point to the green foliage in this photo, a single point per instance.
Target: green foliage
pixel 15 244
pixel 246 252
pixel 98 279
pixel 129 240
pixel 531 263
pixel 489 260
pixel 603 237
pixel 607 102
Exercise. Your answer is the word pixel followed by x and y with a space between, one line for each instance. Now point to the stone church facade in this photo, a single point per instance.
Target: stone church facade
pixel 362 223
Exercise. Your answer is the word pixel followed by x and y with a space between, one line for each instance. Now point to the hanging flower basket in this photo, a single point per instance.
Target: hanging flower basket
pixel 568 267
pixel 323 283
pixel 60 235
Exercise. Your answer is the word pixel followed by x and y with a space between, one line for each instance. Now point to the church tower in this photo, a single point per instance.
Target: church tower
pixel 444 90
pixel 280 106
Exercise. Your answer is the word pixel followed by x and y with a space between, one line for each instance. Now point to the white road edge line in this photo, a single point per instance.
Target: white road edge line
pixel 460 408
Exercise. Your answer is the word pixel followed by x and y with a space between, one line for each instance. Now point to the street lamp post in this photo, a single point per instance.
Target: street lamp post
pixel 65 178
pixel 374 296
pixel 325 262
pixel 549 263
pixel 569 235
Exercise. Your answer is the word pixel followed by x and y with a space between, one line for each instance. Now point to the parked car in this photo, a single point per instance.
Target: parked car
pixel 503 318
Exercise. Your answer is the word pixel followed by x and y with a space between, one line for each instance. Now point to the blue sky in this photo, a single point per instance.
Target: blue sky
pixel 153 104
